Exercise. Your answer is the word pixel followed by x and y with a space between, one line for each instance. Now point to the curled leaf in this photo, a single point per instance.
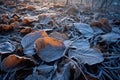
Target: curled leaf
pixel 13 62
pixel 49 49
pixel 26 30
pixel 28 41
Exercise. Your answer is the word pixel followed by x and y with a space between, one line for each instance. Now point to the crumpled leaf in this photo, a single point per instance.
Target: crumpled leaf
pixel 85 29
pixel 14 62
pixel 6 47
pixel 28 41
pixel 49 49
pixel 86 56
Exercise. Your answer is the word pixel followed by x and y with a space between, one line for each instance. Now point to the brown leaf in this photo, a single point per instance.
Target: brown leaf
pixel 57 5
pixel 42 42
pixel 9 2
pixel 26 21
pixel 49 49
pixel 29 39
pixel 102 24
pixel 5 27
pixel 30 7
pixel 26 31
pixel 15 24
pixel 13 61
pixel 12 20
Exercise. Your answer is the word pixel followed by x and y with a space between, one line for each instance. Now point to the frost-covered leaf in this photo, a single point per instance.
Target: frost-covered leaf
pixel 44 19
pixel 45 69
pixel 97 30
pixel 60 36
pixel 14 62
pixel 35 77
pixel 6 47
pixel 28 41
pixel 81 43
pixel 43 72
pixel 85 29
pixel 102 24
pixel 86 56
pixel 49 49
pixel 64 73
pixel 67 43
pixel 111 37
pixel 116 30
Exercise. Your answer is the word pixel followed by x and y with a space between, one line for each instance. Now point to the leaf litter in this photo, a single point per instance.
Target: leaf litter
pixel 45 41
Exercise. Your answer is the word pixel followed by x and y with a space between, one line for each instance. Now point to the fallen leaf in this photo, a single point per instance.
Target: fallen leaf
pixel 72 10
pixel 110 37
pixel 57 5
pixel 85 29
pixel 5 27
pixel 26 21
pixel 49 49
pixel 28 40
pixel 60 36
pixel 81 43
pixel 35 77
pixel 102 24
pixel 6 47
pixel 30 7
pixel 86 56
pixel 42 72
pixel 14 62
pixel 63 72
pixel 44 19
pixel 26 30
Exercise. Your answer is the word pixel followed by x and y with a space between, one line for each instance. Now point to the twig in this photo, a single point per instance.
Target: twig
pixel 73 60
pixel 4 78
pixel 77 66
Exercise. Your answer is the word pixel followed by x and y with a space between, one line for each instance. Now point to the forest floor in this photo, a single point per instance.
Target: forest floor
pixel 47 41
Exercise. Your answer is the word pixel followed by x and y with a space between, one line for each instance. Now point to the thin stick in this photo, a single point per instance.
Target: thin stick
pixel 77 66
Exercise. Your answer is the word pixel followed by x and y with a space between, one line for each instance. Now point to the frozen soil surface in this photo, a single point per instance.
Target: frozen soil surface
pixel 59 40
